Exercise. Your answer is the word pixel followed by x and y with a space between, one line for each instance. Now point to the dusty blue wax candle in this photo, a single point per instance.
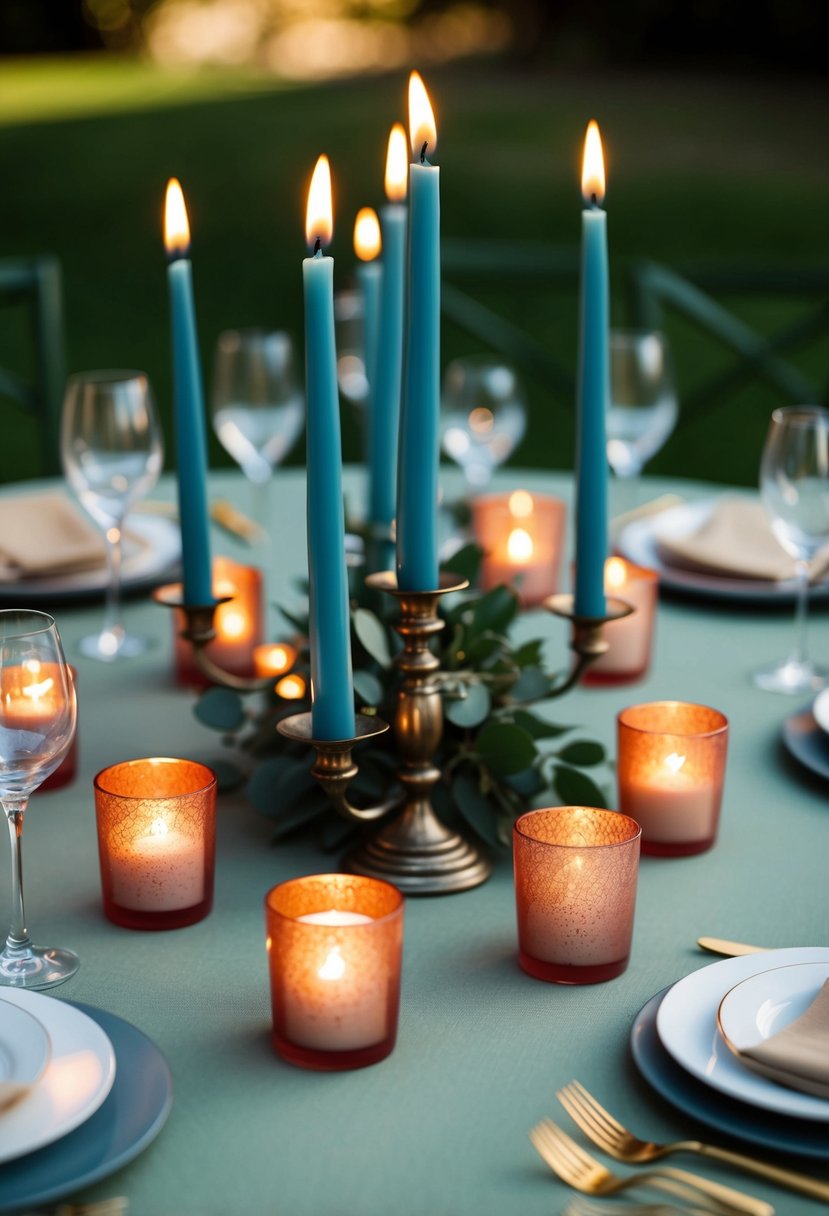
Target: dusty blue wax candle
pixel 593 388
pixel 417 488
pixel 188 405
pixel 331 688
pixel 385 412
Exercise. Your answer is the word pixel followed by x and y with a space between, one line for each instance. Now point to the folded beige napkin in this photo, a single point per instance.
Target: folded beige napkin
pixel 42 534
pixel 736 541
pixel 799 1055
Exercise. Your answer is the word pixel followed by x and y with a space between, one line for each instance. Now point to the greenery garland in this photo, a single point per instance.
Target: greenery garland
pixel 500 755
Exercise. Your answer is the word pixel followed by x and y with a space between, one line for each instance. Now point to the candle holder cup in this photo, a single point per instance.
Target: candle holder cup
pixel 156 842
pixel 334 946
pixel 238 625
pixel 588 639
pixel 199 630
pixel 576 870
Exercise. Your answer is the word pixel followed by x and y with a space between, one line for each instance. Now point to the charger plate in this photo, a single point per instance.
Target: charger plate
pixel 687 1027
pixel 804 739
pixel 128 1121
pixel 24 1050
pixel 711 1108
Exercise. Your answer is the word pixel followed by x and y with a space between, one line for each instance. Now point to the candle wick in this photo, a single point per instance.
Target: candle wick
pixel 317 247
pixel 594 202
pixel 423 152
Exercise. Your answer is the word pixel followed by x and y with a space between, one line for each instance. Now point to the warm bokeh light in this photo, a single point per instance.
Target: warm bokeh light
pixel 367 240
pixel 520 504
pixel 319 216
pixel 291 688
pixel 520 546
pixel 176 226
pixel 481 420
pixel 397 164
pixel 273 659
pixel 592 172
pixel 422 128
pixel 615 574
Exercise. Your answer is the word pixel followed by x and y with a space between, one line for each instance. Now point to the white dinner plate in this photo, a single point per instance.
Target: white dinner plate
pixel 639 540
pixel 687 1027
pixel 24 1050
pixel 152 561
pixel 764 1004
pixel 820 710
pixel 75 1082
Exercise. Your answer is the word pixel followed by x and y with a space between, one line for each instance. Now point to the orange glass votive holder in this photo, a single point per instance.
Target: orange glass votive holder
pixel 68 767
pixel 670 770
pixel 576 869
pixel 631 638
pixel 239 625
pixel 334 946
pixel 522 536
pixel 156 842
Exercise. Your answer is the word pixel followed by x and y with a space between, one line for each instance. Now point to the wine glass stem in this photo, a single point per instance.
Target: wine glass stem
pixel 113 593
pixel 18 938
pixel 800 617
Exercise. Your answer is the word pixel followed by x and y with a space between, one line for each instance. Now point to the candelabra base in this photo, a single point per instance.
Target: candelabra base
pixel 420 856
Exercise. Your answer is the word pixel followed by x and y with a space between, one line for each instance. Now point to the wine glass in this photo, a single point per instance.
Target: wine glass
pixel 794 486
pixel 37 723
pixel 258 407
pixel 643 406
pixel 484 415
pixel 112 453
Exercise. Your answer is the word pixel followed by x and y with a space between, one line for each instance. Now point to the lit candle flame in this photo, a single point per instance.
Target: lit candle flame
pixel 422 129
pixel 615 573
pixel 159 827
pixel 397 164
pixel 592 173
pixel 334 966
pixel 367 239
pixel 36 691
pixel 319 216
pixel 176 225
pixel 291 688
pixel 674 762
pixel 520 546
pixel 520 504
pixel 233 624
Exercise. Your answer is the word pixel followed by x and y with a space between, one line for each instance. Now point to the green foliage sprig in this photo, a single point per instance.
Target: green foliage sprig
pixel 501 752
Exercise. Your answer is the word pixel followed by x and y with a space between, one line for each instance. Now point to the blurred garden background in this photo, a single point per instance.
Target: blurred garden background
pixel 714 118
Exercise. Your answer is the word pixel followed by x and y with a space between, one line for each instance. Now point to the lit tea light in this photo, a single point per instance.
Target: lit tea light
pixel 335 970
pixel 671 767
pixel 522 536
pixel 291 688
pixel 630 639
pixel 273 658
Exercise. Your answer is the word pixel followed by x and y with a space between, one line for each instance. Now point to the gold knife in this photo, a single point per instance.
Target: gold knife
pixel 718 945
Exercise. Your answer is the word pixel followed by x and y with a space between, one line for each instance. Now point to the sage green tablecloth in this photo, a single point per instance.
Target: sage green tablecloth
pixel 439 1128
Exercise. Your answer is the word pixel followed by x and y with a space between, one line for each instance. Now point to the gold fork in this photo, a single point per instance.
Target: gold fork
pixel 608 1134
pixel 584 1173
pixel 116 1206
pixel 606 1207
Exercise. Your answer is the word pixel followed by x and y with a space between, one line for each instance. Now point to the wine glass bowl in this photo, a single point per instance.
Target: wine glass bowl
pixel 794 487
pixel 112 452
pixel 643 406
pixel 484 415
pixel 258 406
pixel 37 724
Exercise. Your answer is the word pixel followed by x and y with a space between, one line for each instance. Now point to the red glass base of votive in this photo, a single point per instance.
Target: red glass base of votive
pixel 598 679
pixel 563 973
pixel 176 918
pixel 331 1061
pixel 676 848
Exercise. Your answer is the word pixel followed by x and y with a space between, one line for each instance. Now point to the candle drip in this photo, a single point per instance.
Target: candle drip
pixel 423 152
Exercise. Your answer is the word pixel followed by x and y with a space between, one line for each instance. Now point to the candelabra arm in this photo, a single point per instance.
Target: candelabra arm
pixel 587 641
pixel 334 767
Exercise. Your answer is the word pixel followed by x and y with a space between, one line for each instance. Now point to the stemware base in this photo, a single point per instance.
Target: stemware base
pixel 109 647
pixel 793 677
pixel 35 966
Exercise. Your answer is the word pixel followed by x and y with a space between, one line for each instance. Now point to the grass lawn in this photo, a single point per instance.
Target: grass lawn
pixel 700 170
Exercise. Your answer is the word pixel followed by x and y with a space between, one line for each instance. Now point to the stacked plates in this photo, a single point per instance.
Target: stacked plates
pixel 81 1093
pixel 678 1047
pixel 806 735
pixel 681 1051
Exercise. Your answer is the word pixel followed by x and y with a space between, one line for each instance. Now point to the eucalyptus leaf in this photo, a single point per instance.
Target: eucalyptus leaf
pixel 506 748
pixel 476 809
pixel 228 775
pixel 300 623
pixel 582 752
pixel 466 562
pixel 220 709
pixel 537 727
pixel 528 655
pixel 372 635
pixel 278 783
pixel 526 783
pixel 575 788
pixel 483 648
pixel 368 688
pixel 531 685
pixel 495 611
pixel 472 710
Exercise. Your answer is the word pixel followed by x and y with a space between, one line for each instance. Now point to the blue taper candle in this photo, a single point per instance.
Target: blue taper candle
pixel 385 414
pixel 417 489
pixel 191 439
pixel 332 707
pixel 593 388
pixel 367 246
